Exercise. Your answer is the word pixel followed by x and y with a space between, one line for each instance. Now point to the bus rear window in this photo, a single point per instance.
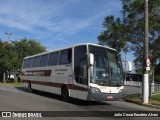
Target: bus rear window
pixel 25 63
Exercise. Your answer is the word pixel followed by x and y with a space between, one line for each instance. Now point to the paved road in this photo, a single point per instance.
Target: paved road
pixel 17 99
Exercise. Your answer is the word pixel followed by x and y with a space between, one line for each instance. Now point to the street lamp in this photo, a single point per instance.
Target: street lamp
pixel 8 34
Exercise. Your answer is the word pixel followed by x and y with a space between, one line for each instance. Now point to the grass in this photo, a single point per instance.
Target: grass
pixel 133 96
pixel 155 99
pixel 11 83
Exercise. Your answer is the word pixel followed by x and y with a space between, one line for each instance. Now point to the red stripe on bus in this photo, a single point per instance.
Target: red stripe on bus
pixel 52 84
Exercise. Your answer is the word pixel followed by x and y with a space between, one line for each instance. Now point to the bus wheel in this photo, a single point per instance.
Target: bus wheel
pixel 65 94
pixel 29 87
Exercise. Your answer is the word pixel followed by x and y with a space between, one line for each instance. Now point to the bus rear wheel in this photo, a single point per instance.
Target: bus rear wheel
pixel 65 94
pixel 29 88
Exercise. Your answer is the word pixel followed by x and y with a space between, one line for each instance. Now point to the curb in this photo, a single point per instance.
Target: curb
pixel 139 103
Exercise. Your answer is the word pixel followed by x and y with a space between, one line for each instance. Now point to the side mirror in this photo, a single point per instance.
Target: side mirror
pixel 91 59
pixel 128 65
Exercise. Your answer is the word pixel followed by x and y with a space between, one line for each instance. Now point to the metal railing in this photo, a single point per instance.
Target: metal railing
pixel 154 88
pixel 133 83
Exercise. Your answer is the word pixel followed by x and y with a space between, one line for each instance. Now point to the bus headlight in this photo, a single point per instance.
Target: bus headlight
pixel 121 90
pixel 93 89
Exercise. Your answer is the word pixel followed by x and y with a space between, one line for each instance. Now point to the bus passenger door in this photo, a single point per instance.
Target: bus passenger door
pixel 81 72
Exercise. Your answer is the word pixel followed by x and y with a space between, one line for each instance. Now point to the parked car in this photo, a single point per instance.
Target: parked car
pixel 11 76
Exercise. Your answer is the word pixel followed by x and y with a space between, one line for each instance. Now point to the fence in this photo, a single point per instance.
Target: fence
pixel 133 83
pixel 154 88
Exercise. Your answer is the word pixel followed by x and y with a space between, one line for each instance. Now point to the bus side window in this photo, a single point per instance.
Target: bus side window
pixel 65 57
pixel 44 60
pixel 53 59
pixel 25 63
pixel 69 56
pixel 36 61
pixel 30 63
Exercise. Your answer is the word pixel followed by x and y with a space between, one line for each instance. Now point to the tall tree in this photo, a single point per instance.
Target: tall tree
pixel 133 12
pixel 26 47
pixel 113 35
pixel 12 54
pixel 130 30
pixel 8 57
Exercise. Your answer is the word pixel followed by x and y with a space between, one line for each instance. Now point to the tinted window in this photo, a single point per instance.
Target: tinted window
pixel 25 63
pixel 65 57
pixel 36 61
pixel 80 64
pixel 53 59
pixel 44 60
pixel 30 62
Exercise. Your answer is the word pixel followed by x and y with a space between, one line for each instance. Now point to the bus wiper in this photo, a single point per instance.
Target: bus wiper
pixel 100 82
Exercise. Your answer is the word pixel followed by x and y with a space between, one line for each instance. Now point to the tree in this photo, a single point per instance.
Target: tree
pixel 26 47
pixel 113 35
pixel 8 57
pixel 131 30
pixel 133 12
pixel 12 54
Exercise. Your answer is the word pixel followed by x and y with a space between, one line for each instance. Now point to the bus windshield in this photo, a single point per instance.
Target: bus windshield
pixel 107 69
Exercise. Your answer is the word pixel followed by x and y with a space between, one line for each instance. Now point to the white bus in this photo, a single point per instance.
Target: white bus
pixel 84 71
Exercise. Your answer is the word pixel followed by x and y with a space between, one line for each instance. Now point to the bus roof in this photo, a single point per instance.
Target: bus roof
pixel 70 47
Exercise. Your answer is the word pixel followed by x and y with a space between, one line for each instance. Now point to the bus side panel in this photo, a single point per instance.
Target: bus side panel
pixel 73 93
pixel 82 94
pixel 44 88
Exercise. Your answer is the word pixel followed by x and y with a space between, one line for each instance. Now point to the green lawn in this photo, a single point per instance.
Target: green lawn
pixel 133 96
pixel 155 99
pixel 11 83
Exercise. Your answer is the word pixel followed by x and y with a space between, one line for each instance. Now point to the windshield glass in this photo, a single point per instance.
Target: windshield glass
pixel 107 69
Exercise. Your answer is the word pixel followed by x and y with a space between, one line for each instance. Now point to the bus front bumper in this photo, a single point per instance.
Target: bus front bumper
pixel 99 96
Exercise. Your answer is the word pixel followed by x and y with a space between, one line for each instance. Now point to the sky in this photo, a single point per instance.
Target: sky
pixel 56 23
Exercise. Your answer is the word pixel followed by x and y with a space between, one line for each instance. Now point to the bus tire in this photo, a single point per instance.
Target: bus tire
pixel 65 94
pixel 29 87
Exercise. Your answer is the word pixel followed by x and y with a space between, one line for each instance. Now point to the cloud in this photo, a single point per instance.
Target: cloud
pixel 29 15
pixel 33 16
pixel 54 22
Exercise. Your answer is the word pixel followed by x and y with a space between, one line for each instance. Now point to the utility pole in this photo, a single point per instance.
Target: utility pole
pixel 146 65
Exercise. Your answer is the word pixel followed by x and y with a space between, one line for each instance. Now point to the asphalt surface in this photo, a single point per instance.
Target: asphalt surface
pixel 18 99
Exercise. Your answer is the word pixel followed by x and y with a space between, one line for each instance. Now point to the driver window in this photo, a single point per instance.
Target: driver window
pixel 101 67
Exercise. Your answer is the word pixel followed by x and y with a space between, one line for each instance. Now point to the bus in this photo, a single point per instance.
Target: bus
pixel 84 71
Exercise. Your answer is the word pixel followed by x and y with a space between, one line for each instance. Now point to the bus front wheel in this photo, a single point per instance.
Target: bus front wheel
pixel 65 94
